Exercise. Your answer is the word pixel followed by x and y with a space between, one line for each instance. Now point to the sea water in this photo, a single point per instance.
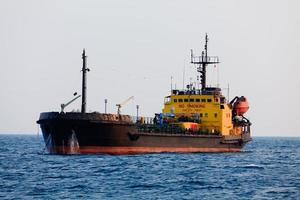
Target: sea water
pixel 267 168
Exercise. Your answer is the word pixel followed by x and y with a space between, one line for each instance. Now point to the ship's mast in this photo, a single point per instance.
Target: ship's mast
pixel 84 70
pixel 203 85
pixel 202 61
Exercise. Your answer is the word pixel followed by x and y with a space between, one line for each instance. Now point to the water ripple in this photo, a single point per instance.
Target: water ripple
pixel 268 168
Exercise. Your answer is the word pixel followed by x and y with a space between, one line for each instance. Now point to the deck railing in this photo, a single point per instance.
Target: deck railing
pixel 142 120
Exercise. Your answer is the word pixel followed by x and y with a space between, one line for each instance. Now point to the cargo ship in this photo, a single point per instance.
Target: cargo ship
pixel 192 120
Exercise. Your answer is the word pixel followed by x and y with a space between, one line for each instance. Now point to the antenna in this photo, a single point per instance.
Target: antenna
pixel 205 47
pixel 171 84
pixel 183 78
pixel 228 92
pixel 218 76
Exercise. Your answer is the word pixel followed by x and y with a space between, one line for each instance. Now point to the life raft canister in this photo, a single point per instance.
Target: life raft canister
pixel 241 106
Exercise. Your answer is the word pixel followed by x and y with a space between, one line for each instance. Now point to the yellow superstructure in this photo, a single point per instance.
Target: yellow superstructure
pixel 205 109
pixel 214 113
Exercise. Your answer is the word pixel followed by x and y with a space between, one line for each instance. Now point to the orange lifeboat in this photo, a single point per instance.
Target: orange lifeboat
pixel 241 106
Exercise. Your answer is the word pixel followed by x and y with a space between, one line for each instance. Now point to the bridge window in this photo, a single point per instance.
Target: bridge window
pixel 180 100
pixel 208 100
pixel 192 100
pixel 203 100
pixel 216 100
pixel 186 100
pixel 201 114
pixel 167 99
pixel 197 100
pixel 206 115
pixel 175 100
pixel 216 115
pixel 222 99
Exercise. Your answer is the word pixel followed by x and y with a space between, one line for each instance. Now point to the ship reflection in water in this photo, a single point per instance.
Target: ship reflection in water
pixel 192 120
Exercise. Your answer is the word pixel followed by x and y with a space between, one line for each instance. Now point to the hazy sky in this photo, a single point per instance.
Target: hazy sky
pixel 133 49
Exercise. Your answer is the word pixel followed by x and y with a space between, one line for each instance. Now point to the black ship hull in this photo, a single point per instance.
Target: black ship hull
pixel 77 133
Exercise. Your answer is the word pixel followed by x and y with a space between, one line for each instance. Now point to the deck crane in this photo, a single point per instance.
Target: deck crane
pixel 64 105
pixel 123 104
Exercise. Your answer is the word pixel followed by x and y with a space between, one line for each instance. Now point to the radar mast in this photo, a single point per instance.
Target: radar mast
pixel 202 61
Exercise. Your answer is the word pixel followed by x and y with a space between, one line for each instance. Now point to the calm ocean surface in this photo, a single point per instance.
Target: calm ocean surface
pixel 268 168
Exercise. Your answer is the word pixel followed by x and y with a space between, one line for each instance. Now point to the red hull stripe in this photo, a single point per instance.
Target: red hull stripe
pixel 139 150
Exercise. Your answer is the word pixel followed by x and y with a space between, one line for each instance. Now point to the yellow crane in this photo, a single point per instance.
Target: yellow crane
pixel 123 104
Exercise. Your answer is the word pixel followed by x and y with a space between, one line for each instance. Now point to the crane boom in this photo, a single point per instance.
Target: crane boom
pixel 123 104
pixel 66 104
